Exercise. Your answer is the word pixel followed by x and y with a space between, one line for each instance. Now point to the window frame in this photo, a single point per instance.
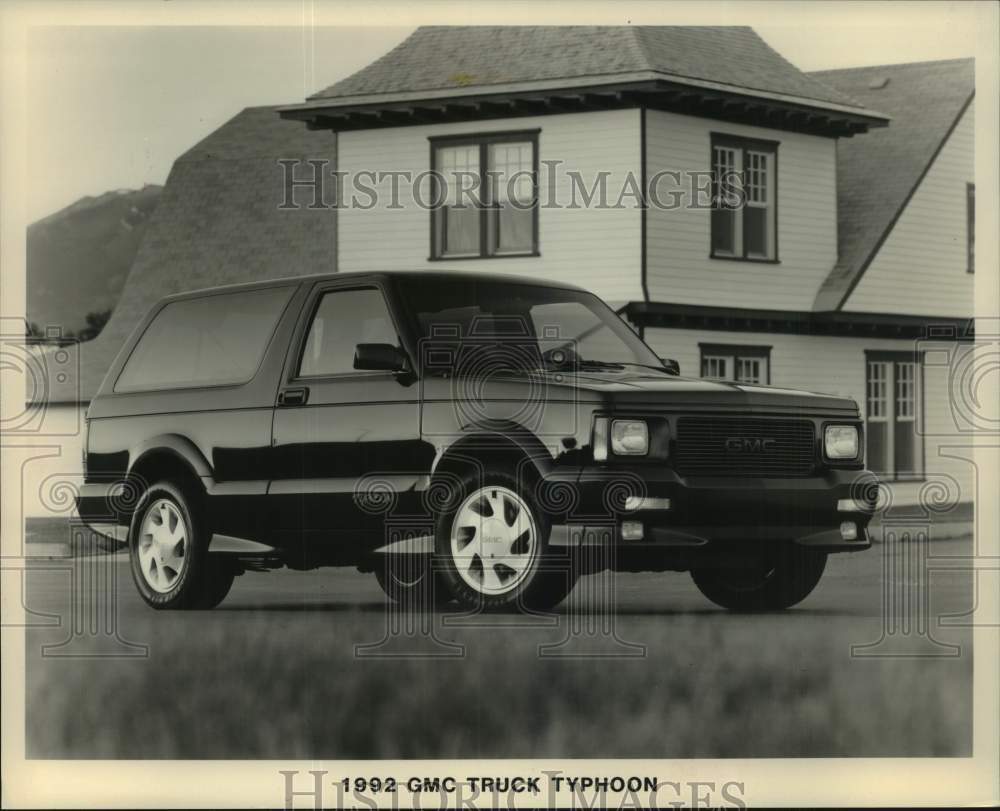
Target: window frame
pixel 891 358
pixel 970 227
pixel 744 146
pixel 309 311
pixel 735 352
pixel 483 140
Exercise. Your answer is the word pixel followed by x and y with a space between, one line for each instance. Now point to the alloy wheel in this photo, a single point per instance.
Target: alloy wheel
pixel 163 546
pixel 494 540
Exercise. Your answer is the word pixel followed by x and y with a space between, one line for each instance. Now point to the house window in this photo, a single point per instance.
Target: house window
pixel 486 196
pixel 970 226
pixel 893 405
pixel 740 364
pixel 744 199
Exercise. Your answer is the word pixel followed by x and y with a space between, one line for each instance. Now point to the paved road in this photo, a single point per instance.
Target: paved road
pixel 315 664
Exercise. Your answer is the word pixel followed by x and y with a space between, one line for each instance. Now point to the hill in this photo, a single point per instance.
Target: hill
pixel 79 257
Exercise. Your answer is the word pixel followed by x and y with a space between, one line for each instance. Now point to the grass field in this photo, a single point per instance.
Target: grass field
pixel 272 674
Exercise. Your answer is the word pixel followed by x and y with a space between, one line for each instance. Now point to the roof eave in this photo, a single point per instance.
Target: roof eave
pixel 809 322
pixel 674 94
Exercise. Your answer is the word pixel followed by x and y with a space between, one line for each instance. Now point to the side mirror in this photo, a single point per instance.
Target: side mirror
pixel 379 357
pixel 671 366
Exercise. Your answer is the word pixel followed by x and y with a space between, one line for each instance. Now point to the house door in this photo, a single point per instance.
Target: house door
pixel 893 436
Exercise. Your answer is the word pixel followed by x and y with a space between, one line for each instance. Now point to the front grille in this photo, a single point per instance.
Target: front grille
pixel 744 446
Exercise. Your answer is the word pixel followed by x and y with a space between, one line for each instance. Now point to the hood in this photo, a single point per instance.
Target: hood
pixel 633 389
pixel 629 389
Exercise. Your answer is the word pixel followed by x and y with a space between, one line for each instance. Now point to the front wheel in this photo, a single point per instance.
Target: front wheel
pixel 490 542
pixel 774 583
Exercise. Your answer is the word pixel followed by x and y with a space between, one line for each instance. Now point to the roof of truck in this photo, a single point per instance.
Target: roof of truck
pixel 448 276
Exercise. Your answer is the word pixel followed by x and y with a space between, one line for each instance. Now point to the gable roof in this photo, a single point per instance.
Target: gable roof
pixel 879 172
pixel 461 58
pixel 217 222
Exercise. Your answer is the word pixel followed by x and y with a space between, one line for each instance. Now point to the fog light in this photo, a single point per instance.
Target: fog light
pixel 633 503
pixel 849 531
pixel 632 531
pixel 850 505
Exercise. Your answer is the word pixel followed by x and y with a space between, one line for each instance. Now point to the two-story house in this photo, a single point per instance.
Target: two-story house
pixel 597 155
pixel 828 274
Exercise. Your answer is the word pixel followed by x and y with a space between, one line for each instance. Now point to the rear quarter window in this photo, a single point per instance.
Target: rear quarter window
pixel 216 340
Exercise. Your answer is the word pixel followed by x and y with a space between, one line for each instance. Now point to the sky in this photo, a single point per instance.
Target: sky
pixel 111 107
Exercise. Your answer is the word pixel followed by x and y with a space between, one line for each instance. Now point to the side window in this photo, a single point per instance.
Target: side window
pixel 344 319
pixel 214 340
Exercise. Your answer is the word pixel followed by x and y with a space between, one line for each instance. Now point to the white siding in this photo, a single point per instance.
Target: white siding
pixel 921 267
pixel 678 242
pixel 598 249
pixel 836 365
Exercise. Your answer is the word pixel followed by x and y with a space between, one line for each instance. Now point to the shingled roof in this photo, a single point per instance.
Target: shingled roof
pixel 877 173
pixel 462 73
pixel 217 222
pixel 463 58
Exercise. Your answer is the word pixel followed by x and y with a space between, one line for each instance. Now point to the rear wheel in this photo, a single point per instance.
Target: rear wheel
pixel 168 543
pixel 776 582
pixel 409 580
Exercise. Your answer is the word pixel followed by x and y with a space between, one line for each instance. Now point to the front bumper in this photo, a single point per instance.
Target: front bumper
pixel 828 512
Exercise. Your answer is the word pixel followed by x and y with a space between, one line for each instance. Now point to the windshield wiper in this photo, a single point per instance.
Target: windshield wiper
pixel 581 363
pixel 587 363
pixel 620 364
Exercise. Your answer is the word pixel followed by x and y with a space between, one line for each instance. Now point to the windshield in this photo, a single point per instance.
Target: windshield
pixel 465 322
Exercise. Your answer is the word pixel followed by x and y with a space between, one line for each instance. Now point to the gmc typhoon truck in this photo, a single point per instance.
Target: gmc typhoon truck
pixel 480 438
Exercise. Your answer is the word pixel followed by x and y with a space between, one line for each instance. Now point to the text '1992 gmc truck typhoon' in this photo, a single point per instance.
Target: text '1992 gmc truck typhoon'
pixel 482 438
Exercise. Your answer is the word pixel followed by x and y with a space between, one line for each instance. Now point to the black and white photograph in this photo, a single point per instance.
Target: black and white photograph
pixel 478 405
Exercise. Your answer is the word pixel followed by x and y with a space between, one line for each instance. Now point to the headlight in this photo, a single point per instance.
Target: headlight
pixel 841 442
pixel 629 438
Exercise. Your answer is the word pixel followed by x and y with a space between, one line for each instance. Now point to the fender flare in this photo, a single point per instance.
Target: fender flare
pixel 176 445
pixel 477 437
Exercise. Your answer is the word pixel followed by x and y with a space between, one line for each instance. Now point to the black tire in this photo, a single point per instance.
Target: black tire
pixel 554 582
pixel 409 581
pixel 201 582
pixel 531 591
pixel 219 576
pixel 780 581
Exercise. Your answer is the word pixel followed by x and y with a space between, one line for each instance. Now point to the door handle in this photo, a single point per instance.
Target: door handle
pixel 293 397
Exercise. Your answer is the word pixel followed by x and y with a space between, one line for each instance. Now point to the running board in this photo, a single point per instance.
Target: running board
pixel 238 546
pixel 423 545
pixel 219 543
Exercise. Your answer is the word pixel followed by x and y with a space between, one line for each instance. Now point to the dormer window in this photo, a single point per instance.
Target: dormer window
pixel 744 199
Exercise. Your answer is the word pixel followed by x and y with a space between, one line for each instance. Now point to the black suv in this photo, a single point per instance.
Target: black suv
pixel 463 436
